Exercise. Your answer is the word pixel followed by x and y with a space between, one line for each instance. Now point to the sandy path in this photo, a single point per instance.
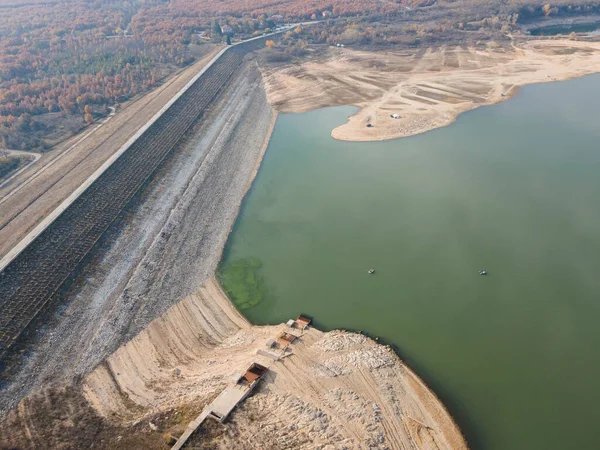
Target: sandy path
pixel 32 156
pixel 428 89
pixel 28 198
pixel 24 182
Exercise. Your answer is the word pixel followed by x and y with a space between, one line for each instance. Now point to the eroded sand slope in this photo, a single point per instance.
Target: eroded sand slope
pixel 428 88
pixel 336 390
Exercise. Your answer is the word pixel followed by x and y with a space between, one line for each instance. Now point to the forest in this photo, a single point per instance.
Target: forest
pixel 66 61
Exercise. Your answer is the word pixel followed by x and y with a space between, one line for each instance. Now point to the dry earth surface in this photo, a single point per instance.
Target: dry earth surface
pixel 37 191
pixel 335 390
pixel 428 88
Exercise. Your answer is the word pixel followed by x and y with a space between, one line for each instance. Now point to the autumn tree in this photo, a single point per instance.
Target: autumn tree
pixel 88 114
pixel 270 44
pixel 216 29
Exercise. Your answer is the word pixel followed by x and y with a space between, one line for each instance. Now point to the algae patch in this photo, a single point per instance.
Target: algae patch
pixel 243 284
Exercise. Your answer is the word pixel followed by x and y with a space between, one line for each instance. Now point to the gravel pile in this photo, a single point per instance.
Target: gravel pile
pixel 336 341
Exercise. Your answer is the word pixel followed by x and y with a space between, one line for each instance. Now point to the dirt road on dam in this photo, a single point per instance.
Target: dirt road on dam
pixel 35 192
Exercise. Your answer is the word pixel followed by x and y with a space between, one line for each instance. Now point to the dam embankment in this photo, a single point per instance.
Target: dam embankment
pixel 161 248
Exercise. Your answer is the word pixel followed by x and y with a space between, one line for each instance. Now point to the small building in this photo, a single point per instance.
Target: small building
pixel 252 375
pixel 327 13
pixel 226 29
pixel 270 350
pixel 303 322
pixel 277 18
pixel 285 339
pixel 395 116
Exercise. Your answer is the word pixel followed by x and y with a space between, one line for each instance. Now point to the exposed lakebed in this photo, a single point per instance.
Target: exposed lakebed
pixel 513 189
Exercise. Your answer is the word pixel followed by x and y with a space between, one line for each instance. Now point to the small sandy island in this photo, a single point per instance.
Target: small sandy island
pixel 426 88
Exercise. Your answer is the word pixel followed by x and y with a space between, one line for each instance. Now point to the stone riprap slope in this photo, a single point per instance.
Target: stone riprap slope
pixel 31 280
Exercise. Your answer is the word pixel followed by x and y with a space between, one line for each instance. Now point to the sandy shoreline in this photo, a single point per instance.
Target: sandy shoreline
pixel 428 89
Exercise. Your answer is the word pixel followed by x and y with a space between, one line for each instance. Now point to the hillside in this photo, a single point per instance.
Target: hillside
pixel 64 63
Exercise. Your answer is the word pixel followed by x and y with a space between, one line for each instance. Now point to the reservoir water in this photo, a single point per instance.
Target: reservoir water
pixel 513 189
pixel 553 30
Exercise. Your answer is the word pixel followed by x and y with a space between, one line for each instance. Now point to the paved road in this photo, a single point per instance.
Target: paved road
pixel 43 169
pixel 6 152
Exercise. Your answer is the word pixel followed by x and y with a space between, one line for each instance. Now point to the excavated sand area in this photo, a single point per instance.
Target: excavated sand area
pixel 427 88
pixel 335 390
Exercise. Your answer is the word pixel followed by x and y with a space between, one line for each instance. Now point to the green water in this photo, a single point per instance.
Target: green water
pixel 552 30
pixel 513 189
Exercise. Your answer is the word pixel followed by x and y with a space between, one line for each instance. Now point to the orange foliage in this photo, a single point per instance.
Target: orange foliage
pixel 61 55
